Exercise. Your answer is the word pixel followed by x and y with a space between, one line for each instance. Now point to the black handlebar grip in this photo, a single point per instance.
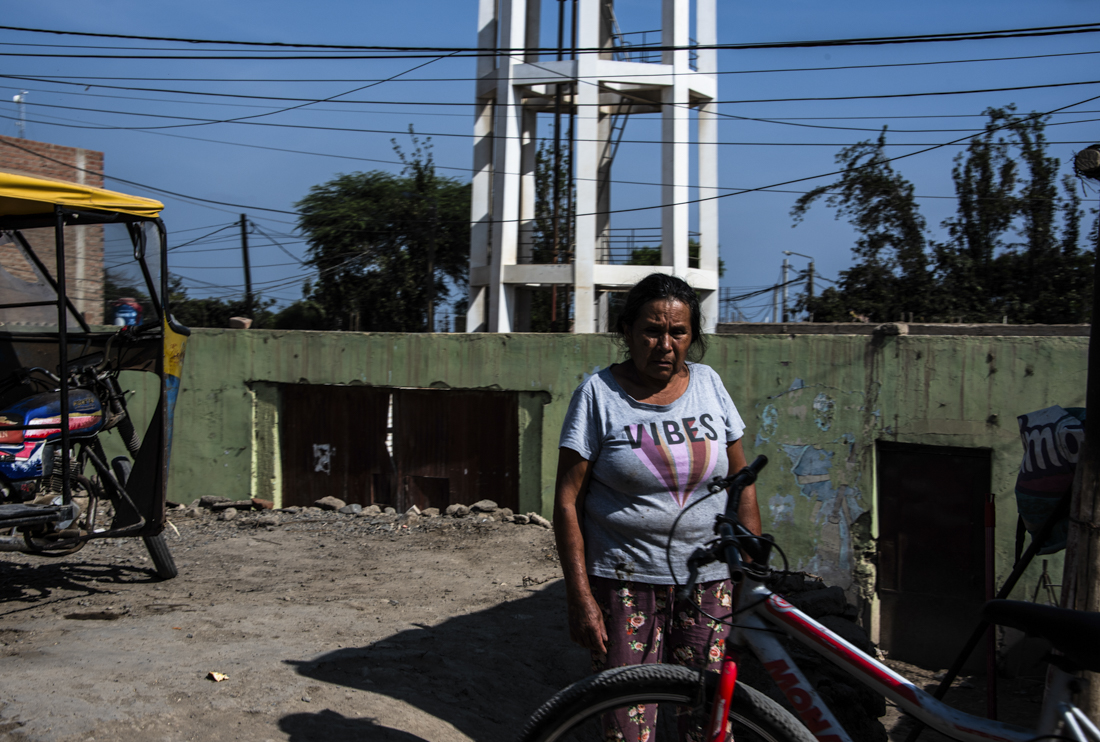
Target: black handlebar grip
pixel 758 463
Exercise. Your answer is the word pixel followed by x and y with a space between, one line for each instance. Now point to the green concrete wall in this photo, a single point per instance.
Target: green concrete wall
pixel 822 400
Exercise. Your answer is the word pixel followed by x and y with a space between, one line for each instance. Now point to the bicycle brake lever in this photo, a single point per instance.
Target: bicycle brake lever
pixel 699 558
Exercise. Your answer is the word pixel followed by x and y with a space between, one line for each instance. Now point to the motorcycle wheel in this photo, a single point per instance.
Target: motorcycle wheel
pixel 157 546
pixel 161 556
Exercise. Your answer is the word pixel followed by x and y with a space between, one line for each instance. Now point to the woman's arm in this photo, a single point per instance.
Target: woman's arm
pixel 749 511
pixel 586 625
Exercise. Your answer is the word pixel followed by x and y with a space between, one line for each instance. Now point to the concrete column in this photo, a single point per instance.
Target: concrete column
pixel 603 311
pixel 675 133
pixel 706 34
pixel 675 192
pixel 603 203
pixel 586 168
pixel 477 314
pixel 507 129
pixel 486 35
pixel 528 161
pixel 534 15
pixel 708 210
pixel 481 226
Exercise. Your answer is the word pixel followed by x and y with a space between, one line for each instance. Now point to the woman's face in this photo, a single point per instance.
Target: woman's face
pixel 659 339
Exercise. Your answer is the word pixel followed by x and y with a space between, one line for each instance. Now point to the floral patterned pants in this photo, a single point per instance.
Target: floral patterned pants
pixel 646 625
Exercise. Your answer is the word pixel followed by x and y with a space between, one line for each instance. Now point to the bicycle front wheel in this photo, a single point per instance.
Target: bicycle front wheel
pixel 656 703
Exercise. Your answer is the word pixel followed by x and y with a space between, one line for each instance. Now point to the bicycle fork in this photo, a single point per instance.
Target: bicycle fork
pixel 723 699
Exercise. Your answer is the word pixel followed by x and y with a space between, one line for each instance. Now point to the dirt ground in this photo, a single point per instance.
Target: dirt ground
pixel 329 627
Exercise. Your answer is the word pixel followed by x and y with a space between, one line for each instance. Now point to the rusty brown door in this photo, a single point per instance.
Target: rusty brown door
pixel 931 560
pixel 333 442
pixel 455 446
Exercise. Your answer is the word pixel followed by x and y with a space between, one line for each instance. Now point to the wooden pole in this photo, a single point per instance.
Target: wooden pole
pixel 1082 566
pixel 247 266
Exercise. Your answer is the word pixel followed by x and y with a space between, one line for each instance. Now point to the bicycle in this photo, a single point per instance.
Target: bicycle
pixel 710 706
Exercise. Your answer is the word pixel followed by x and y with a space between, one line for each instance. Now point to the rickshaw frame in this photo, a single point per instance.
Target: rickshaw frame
pixel 156 347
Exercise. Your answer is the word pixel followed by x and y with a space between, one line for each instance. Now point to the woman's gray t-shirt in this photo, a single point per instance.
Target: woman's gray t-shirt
pixel 647 463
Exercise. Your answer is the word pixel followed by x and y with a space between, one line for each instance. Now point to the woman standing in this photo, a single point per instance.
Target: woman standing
pixel 640 441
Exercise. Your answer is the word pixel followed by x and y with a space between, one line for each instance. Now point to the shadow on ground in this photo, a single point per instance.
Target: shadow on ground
pixel 483 673
pixel 25 587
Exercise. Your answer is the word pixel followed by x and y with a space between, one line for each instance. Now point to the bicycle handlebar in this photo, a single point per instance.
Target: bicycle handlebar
pixel 732 535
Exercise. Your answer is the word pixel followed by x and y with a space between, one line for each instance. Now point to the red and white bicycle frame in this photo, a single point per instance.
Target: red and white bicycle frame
pixel 756 630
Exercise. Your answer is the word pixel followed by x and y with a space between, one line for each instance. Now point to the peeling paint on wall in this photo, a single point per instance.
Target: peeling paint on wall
pixel 834 510
pixel 823 411
pixel 781 508
pixel 769 424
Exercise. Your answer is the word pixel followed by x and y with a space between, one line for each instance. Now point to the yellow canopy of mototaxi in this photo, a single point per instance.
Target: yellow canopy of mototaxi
pixel 21 195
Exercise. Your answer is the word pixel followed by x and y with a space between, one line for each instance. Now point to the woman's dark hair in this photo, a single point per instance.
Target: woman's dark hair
pixel 657 286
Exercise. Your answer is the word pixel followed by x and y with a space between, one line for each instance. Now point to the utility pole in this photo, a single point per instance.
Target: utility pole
pixel 247 267
pixel 784 285
pixel 21 100
pixel 1081 575
pixel 809 275
pixel 431 270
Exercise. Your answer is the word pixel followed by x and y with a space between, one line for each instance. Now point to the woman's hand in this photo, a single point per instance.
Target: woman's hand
pixel 586 624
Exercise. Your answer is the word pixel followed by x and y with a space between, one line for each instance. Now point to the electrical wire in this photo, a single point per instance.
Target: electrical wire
pixel 185 244
pixel 930 148
pixel 722 117
pixel 440 134
pixel 274 242
pixel 67 80
pixel 504 51
pixel 470 170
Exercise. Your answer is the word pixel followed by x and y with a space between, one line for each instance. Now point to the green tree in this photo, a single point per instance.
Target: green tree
pixel 985 184
pixel 1012 248
pixel 892 273
pixel 372 235
pixel 305 314
pixel 1008 186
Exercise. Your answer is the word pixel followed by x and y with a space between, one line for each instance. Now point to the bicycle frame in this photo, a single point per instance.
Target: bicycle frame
pixel 756 629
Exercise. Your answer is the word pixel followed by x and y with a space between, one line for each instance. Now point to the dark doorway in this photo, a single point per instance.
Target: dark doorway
pixel 333 442
pixel 931 563
pixel 455 446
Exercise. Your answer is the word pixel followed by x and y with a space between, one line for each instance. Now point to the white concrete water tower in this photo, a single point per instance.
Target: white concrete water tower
pixel 597 76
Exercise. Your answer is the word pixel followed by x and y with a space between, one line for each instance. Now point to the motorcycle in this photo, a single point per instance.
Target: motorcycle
pixel 62 393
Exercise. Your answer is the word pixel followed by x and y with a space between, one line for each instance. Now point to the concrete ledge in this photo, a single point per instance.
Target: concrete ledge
pixel 899 328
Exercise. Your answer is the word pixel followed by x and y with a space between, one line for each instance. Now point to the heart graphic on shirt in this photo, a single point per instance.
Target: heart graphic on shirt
pixel 681 467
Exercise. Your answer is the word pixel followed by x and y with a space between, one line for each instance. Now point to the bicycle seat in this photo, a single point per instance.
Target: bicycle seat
pixel 1073 633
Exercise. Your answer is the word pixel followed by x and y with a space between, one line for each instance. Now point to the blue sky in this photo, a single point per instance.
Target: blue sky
pixel 274 166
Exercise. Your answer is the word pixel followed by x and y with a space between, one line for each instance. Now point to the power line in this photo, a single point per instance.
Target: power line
pixel 507 51
pixel 67 80
pixel 928 148
pixel 724 117
pixel 185 244
pixel 197 121
pixel 470 169
pixel 290 254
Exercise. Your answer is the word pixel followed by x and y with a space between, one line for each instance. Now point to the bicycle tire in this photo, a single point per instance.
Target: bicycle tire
pixel 580 712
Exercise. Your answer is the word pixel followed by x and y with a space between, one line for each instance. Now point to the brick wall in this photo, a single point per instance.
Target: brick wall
pixel 84 245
